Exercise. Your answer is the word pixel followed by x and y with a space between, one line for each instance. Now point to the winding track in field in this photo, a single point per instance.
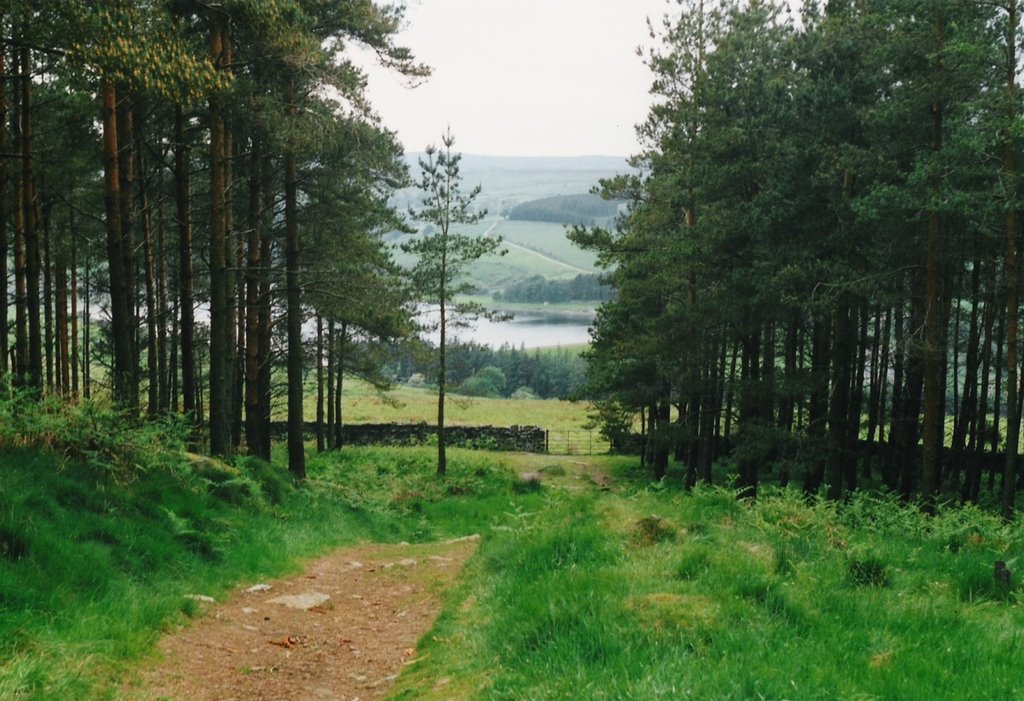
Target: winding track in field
pixel 540 255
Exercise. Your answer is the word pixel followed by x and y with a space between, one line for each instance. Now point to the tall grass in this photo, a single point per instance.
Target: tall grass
pixel 780 599
pixel 101 540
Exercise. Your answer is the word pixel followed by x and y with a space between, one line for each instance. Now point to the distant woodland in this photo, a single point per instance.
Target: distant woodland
pixel 821 259
pixel 582 288
pixel 583 209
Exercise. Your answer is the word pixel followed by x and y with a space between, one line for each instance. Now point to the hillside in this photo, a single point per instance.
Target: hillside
pixel 536 247
pixel 588 576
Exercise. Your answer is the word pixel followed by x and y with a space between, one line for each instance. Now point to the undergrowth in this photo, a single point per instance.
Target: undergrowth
pixel 107 527
pixel 649 593
pixel 636 592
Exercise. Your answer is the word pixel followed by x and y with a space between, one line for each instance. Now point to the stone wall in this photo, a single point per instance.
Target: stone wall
pixel 530 439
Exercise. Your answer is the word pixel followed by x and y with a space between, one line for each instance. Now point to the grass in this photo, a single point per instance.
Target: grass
pixel 780 599
pixel 95 566
pixel 542 248
pixel 640 591
pixel 413 405
pixel 548 239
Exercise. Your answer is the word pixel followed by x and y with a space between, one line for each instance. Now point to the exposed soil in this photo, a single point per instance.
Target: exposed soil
pixel 289 641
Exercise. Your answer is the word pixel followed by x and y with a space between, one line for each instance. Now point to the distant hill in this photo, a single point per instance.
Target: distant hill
pixel 581 209
pixel 511 180
pixel 472 162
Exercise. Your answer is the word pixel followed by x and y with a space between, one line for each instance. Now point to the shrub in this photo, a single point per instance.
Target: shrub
pixel 867 570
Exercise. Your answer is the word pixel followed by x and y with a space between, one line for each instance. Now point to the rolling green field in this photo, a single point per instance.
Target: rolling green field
pixel 419 405
pixel 548 240
pixel 536 248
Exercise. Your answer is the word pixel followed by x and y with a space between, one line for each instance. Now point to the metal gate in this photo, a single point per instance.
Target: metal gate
pixel 576 441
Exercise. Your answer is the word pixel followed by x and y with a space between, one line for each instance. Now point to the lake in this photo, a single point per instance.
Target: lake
pixel 527 329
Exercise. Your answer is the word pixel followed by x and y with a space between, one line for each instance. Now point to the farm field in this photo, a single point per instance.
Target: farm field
pixel 419 405
pixel 550 240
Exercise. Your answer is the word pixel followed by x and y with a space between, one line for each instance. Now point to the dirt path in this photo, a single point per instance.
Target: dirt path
pixel 343 630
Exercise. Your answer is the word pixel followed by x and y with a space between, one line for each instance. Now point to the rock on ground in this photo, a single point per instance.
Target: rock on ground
pixel 342 630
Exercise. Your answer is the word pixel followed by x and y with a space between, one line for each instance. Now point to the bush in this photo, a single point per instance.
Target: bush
pixel 867 571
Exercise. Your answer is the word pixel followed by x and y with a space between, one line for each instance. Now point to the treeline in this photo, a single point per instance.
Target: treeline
pixel 537 289
pixel 481 371
pixel 582 209
pixel 821 261
pixel 204 179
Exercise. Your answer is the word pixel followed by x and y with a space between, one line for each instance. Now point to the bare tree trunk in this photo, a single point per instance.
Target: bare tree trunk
pixel 63 354
pixel 320 444
pixel 74 312
pixel 163 370
pixel 221 322
pixel 296 447
pixel 125 390
pixel 153 312
pixel 48 331
pixel 1012 275
pixel 186 293
pixel 31 223
pixel 126 165
pixel 934 404
pixel 332 359
pixel 253 404
pixel 4 301
pixel 20 364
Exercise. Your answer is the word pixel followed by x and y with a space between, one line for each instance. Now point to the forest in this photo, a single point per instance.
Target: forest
pixel 186 190
pixel 806 356
pixel 582 288
pixel 820 265
pixel 565 209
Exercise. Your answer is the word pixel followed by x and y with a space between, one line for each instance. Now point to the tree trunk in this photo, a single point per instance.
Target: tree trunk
pixel 934 402
pixel 332 360
pixel 1012 275
pixel 339 390
pixel 221 322
pixel 153 312
pixel 817 410
pixel 839 406
pixel 442 370
pixel 186 293
pixel 163 369
pixel 125 391
pixel 4 301
pixel 296 448
pixel 63 350
pixel 320 443
pixel 126 171
pixel 253 405
pixel 74 312
pixel 31 224
pixel 48 330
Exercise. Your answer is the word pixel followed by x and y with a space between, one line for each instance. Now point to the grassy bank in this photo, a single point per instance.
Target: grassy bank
pixel 594 584
pixel 106 530
pixel 649 594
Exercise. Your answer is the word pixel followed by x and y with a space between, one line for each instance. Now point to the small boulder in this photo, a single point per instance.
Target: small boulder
pixel 303 602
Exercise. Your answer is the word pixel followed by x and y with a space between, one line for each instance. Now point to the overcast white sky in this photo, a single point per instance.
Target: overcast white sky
pixel 523 77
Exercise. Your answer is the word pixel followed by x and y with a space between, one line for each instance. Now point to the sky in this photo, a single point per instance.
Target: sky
pixel 523 77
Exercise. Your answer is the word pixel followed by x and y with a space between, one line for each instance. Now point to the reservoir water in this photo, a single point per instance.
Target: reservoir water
pixel 527 329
